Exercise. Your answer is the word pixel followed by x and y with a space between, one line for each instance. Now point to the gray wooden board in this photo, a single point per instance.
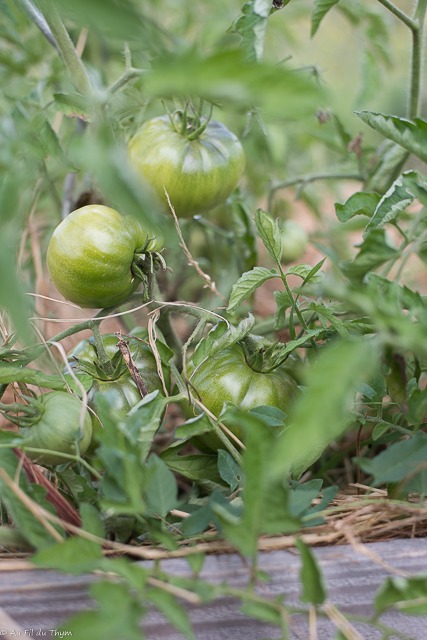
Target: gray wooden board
pixel 43 600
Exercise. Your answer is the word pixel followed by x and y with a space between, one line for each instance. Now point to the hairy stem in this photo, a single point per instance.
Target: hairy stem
pixel 73 63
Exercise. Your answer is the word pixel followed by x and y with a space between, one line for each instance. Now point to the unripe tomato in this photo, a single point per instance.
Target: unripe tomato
pixel 84 359
pixel 294 241
pixel 62 425
pixel 96 257
pixel 228 378
pixel 198 170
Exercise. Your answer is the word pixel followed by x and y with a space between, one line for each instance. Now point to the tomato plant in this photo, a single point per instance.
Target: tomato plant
pixel 320 366
pixel 96 257
pixel 199 162
pixel 54 422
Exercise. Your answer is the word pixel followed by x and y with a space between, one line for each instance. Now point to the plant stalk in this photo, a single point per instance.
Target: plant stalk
pixel 72 61
pixel 417 60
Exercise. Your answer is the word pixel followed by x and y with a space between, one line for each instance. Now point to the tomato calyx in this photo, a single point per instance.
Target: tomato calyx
pixel 24 415
pixel 99 372
pixel 190 126
pixel 262 355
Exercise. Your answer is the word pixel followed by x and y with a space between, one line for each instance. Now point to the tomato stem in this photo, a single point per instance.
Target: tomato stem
pixel 103 359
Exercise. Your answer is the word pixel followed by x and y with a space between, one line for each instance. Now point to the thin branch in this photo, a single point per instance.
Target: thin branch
pixel 409 22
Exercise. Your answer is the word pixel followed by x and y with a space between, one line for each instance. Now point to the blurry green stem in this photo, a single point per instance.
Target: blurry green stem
pixel 306 179
pixel 399 14
pixel 416 61
pixel 103 359
pixel 74 65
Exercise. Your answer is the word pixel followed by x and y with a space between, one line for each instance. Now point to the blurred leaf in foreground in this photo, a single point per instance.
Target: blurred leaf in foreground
pixel 323 411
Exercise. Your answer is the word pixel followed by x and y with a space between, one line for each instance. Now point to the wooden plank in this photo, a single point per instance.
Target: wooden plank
pixel 43 600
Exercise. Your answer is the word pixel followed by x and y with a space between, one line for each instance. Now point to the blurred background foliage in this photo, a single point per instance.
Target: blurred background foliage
pixel 289 93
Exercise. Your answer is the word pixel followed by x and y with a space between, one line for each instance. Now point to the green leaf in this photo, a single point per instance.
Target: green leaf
pixel 411 135
pixel 323 412
pixel 248 283
pixel 266 611
pixel 283 302
pixel 224 77
pixel 394 202
pixel 91 520
pixel 10 373
pixel 402 295
pixel 144 420
pixel 398 461
pixel 197 467
pixel 74 105
pixel 374 251
pixel 270 234
pixel 251 25
pixel 172 610
pixel 75 556
pixel 392 158
pixel 228 469
pixel 118 615
pixel 307 272
pixel 24 520
pixel 313 588
pixel 360 203
pixel 265 505
pixel 218 339
pixel 407 595
pixel 321 8
pixel 161 490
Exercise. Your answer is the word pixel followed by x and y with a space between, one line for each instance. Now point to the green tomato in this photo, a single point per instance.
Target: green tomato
pixel 62 425
pixel 96 257
pixel 294 241
pixel 199 168
pixel 228 378
pixel 84 358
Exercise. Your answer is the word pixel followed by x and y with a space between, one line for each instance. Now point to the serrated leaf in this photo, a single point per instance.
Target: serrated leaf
pixel 251 25
pixel 313 588
pixel 269 232
pixel 203 348
pixel 225 339
pixel 323 412
pixel 393 202
pixel 374 251
pixel 248 283
pixel 321 8
pixel 410 134
pixel 307 272
pixel 361 203
pixel 391 161
pixel 228 469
